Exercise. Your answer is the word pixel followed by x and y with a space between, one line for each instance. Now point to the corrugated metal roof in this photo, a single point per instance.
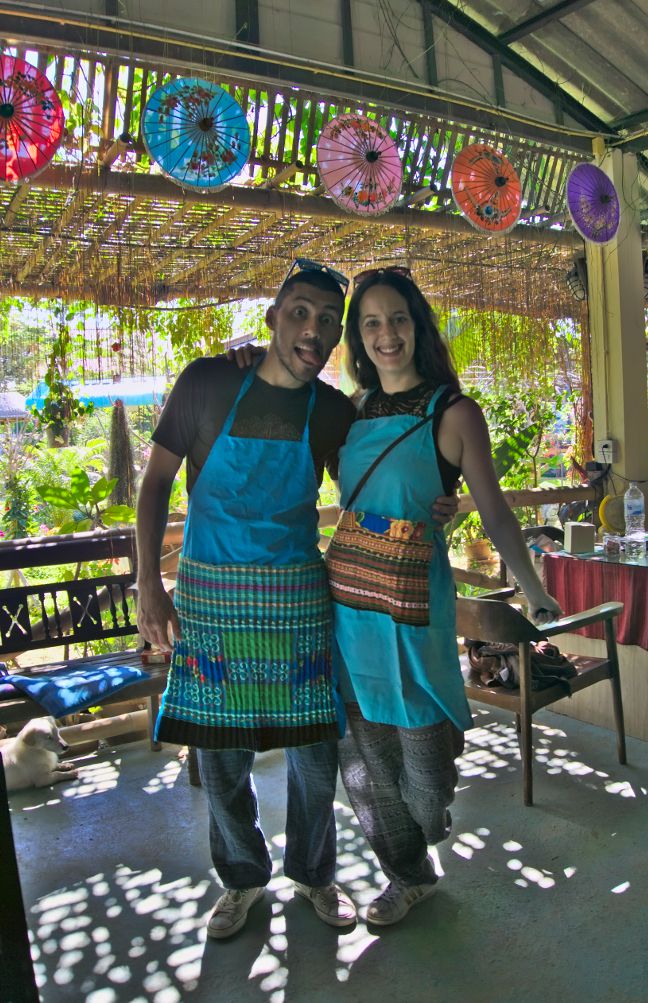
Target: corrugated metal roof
pixel 594 50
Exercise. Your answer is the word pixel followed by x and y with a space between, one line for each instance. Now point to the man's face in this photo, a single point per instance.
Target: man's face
pixel 306 328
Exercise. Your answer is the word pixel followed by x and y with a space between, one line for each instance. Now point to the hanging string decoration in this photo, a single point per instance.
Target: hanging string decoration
pixel 486 188
pixel 197 133
pixel 593 203
pixel 359 165
pixel 31 120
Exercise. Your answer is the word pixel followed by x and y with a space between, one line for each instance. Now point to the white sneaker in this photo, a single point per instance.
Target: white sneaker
pixel 230 912
pixel 396 901
pixel 331 904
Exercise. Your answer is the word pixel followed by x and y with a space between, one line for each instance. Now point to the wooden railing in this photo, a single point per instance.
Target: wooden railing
pixel 16 554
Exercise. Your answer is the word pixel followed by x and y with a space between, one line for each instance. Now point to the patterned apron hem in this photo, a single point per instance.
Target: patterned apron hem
pixel 257 739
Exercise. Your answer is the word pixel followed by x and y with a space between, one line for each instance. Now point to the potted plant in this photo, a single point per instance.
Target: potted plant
pixel 61 406
pixel 469 534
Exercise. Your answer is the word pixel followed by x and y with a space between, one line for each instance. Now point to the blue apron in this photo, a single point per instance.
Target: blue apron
pixel 253 667
pixel 391 581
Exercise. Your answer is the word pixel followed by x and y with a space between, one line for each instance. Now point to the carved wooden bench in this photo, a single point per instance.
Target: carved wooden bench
pixel 57 614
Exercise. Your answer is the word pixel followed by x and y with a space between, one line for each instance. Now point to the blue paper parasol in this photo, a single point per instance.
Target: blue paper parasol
pixel 196 132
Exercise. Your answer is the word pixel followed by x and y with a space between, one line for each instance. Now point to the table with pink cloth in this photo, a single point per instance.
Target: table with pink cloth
pixel 579 581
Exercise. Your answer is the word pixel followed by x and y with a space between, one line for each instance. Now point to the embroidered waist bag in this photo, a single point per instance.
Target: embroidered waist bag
pixel 382 564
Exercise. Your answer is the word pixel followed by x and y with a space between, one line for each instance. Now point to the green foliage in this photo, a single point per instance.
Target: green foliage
pixel 84 503
pixel 17 520
pixel 61 407
pixel 509 454
pixel 188 333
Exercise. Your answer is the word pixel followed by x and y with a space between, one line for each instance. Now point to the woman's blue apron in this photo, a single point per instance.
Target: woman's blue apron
pixel 391 582
pixel 253 667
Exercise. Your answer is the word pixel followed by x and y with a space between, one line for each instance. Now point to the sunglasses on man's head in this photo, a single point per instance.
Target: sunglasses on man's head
pixel 307 265
pixel 370 272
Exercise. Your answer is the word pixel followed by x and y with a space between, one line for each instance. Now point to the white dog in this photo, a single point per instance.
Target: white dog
pixel 31 759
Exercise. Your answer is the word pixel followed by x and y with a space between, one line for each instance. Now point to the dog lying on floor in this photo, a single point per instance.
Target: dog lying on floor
pixel 31 759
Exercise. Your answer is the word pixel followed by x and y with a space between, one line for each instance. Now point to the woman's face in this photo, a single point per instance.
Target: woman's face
pixel 388 335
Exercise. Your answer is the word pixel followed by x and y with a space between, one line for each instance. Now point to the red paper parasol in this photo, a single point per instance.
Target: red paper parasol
pixel 359 165
pixel 486 188
pixel 31 120
pixel 593 203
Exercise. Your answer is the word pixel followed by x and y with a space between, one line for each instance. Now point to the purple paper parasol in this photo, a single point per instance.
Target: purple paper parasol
pixel 593 203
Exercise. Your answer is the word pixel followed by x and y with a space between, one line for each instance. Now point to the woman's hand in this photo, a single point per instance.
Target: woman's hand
pixel 245 355
pixel 544 609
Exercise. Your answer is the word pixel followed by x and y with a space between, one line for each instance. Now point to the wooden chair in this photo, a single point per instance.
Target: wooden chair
pixel 491 619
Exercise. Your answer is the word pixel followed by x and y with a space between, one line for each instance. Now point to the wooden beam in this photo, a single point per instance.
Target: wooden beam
pixel 267 200
pixel 453 15
pixel 119 146
pixel 532 24
pixel 534 497
pixel 283 175
pixel 37 256
pixel 91 254
pixel 183 51
pixel 428 37
pixel 210 228
pixel 247 21
pixel 18 198
pixel 346 25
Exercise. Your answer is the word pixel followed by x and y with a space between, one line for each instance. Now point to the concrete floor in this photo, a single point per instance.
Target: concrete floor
pixel 537 904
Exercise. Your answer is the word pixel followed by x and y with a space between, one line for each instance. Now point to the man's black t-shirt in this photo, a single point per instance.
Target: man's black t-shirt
pixel 205 392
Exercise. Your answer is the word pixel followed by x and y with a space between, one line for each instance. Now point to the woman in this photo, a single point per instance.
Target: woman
pixel 391 581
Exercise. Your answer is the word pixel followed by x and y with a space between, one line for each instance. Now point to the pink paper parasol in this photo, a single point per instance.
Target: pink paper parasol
pixel 359 165
pixel 31 120
pixel 486 188
pixel 593 203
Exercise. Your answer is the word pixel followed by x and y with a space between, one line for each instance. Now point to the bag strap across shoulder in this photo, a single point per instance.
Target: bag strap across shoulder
pixel 392 445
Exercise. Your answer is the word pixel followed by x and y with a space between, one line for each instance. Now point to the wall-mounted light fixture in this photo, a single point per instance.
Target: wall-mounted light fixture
pixel 577 279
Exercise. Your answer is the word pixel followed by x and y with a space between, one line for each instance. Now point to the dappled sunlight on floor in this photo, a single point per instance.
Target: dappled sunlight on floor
pixel 122 920
pixel 492 750
pixel 67 935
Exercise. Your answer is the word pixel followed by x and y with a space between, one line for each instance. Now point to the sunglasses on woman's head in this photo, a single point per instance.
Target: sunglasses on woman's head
pixel 307 265
pixel 370 272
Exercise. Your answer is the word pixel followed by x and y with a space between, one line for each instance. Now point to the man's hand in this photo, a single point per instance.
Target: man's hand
pixel 157 620
pixel 245 355
pixel 444 509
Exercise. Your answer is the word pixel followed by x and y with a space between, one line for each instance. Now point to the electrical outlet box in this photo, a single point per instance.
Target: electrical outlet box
pixel 606 450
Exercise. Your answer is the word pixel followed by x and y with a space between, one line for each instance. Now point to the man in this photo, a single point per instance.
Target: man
pixel 251 665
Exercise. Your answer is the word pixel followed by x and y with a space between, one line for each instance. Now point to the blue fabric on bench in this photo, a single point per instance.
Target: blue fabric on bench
pixel 64 691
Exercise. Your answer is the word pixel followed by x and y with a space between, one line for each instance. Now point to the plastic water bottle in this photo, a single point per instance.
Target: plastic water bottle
pixel 635 527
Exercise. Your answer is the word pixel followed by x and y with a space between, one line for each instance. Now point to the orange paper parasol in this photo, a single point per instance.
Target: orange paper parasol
pixel 486 188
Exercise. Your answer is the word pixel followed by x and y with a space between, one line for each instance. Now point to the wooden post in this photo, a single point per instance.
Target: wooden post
pixel 616 309
pixel 17 982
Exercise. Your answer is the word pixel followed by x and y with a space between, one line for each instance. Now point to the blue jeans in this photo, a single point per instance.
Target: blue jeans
pixel 236 840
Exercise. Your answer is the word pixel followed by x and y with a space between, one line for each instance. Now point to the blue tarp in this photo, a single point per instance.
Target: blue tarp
pixel 132 390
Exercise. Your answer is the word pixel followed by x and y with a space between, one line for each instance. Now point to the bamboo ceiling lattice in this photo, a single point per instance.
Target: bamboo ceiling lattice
pixel 103 224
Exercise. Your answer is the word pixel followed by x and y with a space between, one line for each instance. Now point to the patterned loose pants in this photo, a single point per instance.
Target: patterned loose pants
pixel 400 782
